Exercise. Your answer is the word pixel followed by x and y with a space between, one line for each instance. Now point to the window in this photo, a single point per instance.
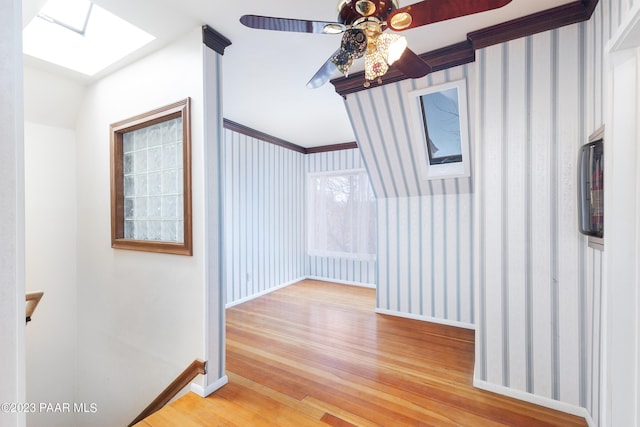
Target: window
pixel 342 215
pixel 441 119
pixel 151 181
pixel 440 130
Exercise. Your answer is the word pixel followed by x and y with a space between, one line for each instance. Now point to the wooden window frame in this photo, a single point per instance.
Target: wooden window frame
pixel 169 112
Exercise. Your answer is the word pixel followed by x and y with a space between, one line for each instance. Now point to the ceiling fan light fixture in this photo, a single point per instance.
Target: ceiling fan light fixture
pixel 400 21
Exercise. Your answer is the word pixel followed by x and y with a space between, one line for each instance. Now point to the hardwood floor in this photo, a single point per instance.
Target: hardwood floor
pixel 316 353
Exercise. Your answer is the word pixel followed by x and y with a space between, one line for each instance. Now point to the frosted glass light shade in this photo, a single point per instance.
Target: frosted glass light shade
pixel 392 46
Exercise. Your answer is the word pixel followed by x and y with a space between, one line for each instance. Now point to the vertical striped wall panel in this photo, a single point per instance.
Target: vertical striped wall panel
pixel 334 161
pixel 539 302
pixel 264 215
pixel 338 269
pixel 425 256
pixel 597 32
pixel 425 228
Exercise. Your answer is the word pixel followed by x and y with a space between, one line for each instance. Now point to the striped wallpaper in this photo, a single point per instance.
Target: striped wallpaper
pixel 539 316
pixel 264 216
pixel 500 250
pixel 425 228
pixel 338 269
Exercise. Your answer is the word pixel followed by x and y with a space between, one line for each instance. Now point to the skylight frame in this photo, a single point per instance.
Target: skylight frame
pixel 68 26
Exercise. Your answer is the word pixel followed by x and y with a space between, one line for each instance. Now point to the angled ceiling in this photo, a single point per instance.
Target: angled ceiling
pixel 265 72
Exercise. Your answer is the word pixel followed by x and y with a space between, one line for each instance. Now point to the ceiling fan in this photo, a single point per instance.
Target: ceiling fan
pixel 363 24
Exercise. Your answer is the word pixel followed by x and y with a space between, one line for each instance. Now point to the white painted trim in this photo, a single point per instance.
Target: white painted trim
pixel 536 400
pixel 342 282
pixel 414 109
pixel 427 319
pixel 206 391
pixel 265 292
pixel 627 34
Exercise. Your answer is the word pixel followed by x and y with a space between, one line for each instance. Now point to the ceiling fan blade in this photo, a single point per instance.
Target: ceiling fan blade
pixel 293 25
pixel 412 65
pixel 324 73
pixel 430 11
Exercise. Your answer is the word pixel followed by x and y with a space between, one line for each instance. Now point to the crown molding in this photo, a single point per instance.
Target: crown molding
pixel 333 147
pixel 214 40
pixel 237 127
pixel 546 20
pixel 252 133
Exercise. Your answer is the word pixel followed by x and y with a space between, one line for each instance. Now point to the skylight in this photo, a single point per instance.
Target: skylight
pixel 81 36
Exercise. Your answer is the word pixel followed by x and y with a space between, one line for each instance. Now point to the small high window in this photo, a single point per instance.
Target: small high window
pixel 440 130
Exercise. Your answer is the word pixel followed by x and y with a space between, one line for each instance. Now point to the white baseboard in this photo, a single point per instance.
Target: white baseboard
pixel 536 400
pixel 206 391
pixel 342 282
pixel 427 319
pixel 261 293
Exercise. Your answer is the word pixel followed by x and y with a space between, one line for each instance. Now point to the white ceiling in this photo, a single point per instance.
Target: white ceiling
pixel 265 72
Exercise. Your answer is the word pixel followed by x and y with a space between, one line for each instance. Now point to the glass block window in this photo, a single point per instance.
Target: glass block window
pixel 151 181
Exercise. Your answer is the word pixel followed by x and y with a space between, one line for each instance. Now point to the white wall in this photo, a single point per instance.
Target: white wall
pixel 214 225
pixel 50 110
pixel 51 99
pixel 50 206
pixel 141 316
pixel 622 226
pixel 12 350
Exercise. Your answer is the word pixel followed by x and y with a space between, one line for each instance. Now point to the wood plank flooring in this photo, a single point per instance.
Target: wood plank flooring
pixel 316 354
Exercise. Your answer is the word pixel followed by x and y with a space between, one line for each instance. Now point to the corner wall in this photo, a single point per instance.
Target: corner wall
pixel 50 207
pixel 264 216
pixel 425 228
